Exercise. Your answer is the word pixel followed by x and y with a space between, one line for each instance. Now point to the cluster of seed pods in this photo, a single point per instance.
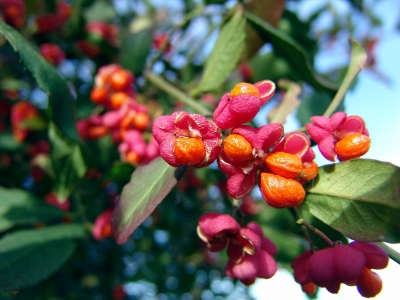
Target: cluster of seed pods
pixel 348 264
pixel 280 165
pixel 124 118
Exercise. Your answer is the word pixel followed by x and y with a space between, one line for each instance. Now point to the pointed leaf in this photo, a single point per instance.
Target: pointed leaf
pixel 149 185
pixel 359 198
pixel 18 207
pixel 67 161
pixel 29 256
pixel 225 55
pixel 61 104
pixel 288 48
pixel 134 50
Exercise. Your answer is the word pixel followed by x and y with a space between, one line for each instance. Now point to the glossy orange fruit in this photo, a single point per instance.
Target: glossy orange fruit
pixel 189 151
pixel 284 164
pixel 280 192
pixel 369 284
pixel 352 146
pixel 237 148
pixel 244 88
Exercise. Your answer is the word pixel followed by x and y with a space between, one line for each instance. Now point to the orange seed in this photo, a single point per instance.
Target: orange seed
pixel 309 171
pixel 189 151
pixel 243 88
pixel 237 148
pixel 352 146
pixel 369 284
pixel 280 192
pixel 309 288
pixel 284 164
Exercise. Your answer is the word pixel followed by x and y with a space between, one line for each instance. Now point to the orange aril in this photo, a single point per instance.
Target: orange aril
pixel 352 146
pixel 369 284
pixel 99 95
pixel 237 148
pixel 280 192
pixel 117 99
pixel 121 79
pixel 189 151
pixel 96 132
pixel 309 288
pixel 244 88
pixel 141 121
pixel 132 157
pixel 284 164
pixel 309 171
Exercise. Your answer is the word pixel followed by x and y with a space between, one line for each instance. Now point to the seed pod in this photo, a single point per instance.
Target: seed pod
pixel 280 192
pixel 284 164
pixel 352 146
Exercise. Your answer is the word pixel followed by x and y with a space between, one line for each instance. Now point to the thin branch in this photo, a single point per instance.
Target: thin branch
pixel 315 231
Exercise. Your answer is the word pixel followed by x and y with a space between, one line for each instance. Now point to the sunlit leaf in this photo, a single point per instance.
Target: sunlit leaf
pixel 359 198
pixel 134 49
pixel 225 55
pixel 61 105
pixel 18 207
pixel 30 256
pixel 147 188
pixel 289 49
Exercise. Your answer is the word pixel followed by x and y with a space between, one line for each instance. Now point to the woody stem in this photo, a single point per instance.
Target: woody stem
pixel 315 231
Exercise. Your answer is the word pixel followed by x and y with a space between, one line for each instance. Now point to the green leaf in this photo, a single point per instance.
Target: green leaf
pixel 134 50
pixel 18 207
pixel 225 55
pixel 289 49
pixel 29 256
pixel 61 104
pixel 149 185
pixel 359 198
pixel 8 143
pixel 67 161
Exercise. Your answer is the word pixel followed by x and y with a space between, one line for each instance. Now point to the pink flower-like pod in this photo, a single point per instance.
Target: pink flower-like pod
pixel 242 175
pixel 328 131
pixel 52 199
pixel 300 267
pixel 215 229
pixel 376 257
pixel 296 143
pixel 133 145
pixel 181 124
pixel 245 241
pixel 261 265
pixel 102 227
pixel 242 108
pixel 266 244
pixel 330 267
